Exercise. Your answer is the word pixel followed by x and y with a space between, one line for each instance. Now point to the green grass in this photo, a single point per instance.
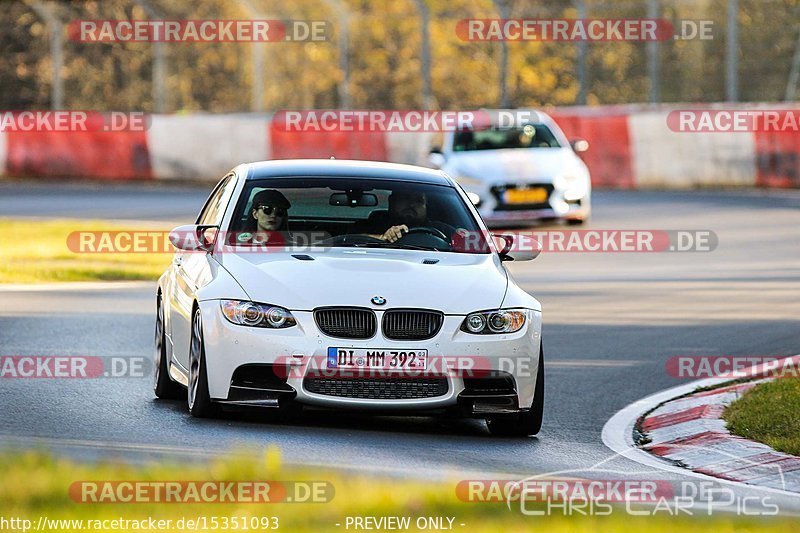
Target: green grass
pixel 769 413
pixel 34 484
pixel 36 251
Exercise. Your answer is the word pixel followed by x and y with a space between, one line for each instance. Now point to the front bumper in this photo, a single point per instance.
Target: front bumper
pixel 496 218
pixel 557 206
pixel 299 352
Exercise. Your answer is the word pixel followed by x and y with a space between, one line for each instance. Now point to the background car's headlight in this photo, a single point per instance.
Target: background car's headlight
pixel 256 315
pixel 500 321
pixel 574 187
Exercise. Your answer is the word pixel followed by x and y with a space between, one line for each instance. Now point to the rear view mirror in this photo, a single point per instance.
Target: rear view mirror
pixel 353 199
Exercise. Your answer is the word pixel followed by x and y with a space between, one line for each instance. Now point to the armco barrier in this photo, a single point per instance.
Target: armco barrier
pixel 777 159
pixel 370 146
pixel 664 158
pixel 205 146
pixel 609 156
pixel 630 147
pixel 2 153
pixel 93 153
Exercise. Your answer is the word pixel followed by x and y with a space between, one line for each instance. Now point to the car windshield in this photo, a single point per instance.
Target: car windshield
pixel 354 212
pixel 527 136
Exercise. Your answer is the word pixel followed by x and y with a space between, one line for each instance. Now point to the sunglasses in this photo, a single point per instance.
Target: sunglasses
pixel 267 210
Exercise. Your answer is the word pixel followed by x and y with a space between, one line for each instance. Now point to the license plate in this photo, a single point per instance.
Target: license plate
pixel 536 195
pixel 354 358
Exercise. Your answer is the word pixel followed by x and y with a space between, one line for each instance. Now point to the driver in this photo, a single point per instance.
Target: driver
pixel 406 210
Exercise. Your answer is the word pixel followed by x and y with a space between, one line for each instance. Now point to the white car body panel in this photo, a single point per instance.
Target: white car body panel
pixel 457 284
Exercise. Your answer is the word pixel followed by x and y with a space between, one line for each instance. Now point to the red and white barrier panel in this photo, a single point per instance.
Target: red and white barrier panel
pixel 205 147
pixel 630 147
pixel 79 144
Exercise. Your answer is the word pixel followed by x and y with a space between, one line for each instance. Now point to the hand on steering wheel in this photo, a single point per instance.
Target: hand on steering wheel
pixel 394 233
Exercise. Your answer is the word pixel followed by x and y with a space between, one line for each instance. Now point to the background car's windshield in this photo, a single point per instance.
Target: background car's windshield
pixel 527 136
pixel 354 212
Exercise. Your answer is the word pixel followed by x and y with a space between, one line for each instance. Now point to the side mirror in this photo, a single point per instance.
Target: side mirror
pixel 529 249
pixel 579 145
pixel 193 237
pixel 436 158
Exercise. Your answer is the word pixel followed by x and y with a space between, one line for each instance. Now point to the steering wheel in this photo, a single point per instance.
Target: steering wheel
pixel 429 230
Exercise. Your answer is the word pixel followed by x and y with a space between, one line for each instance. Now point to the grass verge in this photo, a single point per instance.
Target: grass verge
pixel 36 485
pixel 769 413
pixel 36 251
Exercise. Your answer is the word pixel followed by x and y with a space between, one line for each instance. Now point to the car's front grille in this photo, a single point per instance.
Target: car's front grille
pixel 346 322
pixel 411 324
pixel 378 388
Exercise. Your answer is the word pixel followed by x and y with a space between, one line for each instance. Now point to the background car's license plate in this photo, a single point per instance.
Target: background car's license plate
pixel 536 195
pixel 377 358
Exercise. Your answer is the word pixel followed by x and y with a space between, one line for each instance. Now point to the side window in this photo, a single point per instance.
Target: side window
pixel 215 205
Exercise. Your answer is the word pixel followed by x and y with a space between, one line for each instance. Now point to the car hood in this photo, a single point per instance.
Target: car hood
pixel 540 165
pixel 456 284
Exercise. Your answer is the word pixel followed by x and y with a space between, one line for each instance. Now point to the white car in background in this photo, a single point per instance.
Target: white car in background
pixel 519 173
pixel 324 311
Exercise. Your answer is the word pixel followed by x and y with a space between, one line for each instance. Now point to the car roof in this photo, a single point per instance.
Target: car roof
pixel 345 168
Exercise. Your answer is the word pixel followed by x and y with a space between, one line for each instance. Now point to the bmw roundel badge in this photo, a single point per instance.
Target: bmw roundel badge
pixel 378 300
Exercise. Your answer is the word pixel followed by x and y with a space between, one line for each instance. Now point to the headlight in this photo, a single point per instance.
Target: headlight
pixel 256 315
pixel 488 322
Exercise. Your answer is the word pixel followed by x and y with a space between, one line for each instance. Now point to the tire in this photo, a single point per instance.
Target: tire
pixel 197 397
pixel 528 422
pixel 163 386
pixel 576 221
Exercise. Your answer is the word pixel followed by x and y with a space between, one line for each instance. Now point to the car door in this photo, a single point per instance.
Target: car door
pixel 192 271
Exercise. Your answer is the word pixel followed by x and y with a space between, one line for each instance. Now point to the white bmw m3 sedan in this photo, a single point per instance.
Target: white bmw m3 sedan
pixel 348 285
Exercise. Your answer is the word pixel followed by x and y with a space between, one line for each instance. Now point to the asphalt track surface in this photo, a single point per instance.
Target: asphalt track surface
pixel 611 321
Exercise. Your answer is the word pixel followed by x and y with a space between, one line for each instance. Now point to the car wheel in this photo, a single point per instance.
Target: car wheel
pixel 163 385
pixel 576 221
pixel 529 422
pixel 198 397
